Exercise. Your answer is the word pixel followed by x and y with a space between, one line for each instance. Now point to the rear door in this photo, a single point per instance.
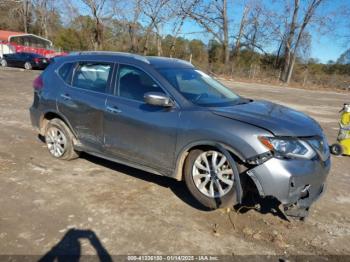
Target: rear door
pixel 134 130
pixel 82 100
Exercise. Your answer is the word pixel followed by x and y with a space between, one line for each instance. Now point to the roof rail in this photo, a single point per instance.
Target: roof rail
pixel 183 61
pixel 135 56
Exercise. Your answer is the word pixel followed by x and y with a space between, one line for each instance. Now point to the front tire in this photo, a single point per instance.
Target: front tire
pixel 210 178
pixel 59 140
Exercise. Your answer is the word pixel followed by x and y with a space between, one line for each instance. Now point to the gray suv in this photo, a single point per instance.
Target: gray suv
pixel 166 117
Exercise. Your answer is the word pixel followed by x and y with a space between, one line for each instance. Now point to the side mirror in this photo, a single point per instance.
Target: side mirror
pixel 158 99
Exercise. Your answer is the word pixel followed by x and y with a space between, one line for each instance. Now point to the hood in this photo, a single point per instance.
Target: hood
pixel 279 120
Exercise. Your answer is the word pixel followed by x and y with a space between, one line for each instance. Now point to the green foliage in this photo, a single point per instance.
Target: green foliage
pixel 198 50
pixel 214 52
pixel 69 39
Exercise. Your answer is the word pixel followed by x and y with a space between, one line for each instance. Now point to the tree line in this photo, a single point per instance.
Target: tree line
pixel 264 39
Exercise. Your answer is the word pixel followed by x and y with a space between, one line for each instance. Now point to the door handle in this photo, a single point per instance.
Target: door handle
pixel 66 97
pixel 113 110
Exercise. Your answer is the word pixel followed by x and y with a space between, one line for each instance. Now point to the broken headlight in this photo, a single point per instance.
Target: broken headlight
pixel 288 147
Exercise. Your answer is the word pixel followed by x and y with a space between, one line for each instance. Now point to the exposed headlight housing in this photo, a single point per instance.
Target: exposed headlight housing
pixel 288 147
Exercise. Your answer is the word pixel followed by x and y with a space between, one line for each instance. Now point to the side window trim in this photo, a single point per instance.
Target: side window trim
pixel 69 77
pixel 116 83
pixel 113 82
pixel 72 72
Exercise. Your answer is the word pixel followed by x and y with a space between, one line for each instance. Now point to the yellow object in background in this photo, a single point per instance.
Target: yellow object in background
pixel 343 146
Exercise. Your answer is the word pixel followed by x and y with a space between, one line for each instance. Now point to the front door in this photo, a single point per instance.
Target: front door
pixel 136 131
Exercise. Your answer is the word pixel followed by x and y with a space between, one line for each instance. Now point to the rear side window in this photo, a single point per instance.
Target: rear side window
pixel 93 76
pixel 64 72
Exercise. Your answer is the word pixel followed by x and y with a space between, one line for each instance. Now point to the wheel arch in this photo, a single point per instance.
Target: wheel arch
pixel 49 115
pixel 233 155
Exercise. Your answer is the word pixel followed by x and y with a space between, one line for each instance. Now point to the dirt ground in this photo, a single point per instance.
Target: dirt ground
pixel 91 204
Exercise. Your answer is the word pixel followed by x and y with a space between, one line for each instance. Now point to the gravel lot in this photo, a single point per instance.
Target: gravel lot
pixel 92 204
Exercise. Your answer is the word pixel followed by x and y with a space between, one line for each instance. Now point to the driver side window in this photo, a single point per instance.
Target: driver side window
pixel 133 83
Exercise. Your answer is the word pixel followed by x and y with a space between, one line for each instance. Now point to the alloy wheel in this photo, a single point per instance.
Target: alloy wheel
pixel 212 174
pixel 56 142
pixel 27 66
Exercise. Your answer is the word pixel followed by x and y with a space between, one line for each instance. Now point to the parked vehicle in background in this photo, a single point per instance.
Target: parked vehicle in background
pixel 26 60
pixel 167 117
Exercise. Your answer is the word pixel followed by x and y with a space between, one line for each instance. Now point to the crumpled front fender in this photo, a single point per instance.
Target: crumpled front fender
pixel 239 191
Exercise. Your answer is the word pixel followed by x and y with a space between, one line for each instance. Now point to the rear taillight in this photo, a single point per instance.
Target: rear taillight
pixel 38 83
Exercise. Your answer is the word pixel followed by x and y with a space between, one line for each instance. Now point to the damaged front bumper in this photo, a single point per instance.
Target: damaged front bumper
pixel 296 183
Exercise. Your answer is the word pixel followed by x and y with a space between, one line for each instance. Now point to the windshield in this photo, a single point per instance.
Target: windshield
pixel 199 87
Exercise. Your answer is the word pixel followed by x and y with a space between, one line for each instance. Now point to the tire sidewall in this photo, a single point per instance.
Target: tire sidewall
pixel 28 66
pixel 227 200
pixel 62 127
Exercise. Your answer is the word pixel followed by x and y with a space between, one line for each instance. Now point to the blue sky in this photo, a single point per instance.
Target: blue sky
pixel 324 46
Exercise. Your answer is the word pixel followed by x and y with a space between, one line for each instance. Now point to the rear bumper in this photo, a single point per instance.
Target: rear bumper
pixel 295 183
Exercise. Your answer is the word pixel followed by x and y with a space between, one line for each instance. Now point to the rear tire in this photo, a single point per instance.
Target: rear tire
pixel 3 63
pixel 27 66
pixel 337 149
pixel 195 179
pixel 59 140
